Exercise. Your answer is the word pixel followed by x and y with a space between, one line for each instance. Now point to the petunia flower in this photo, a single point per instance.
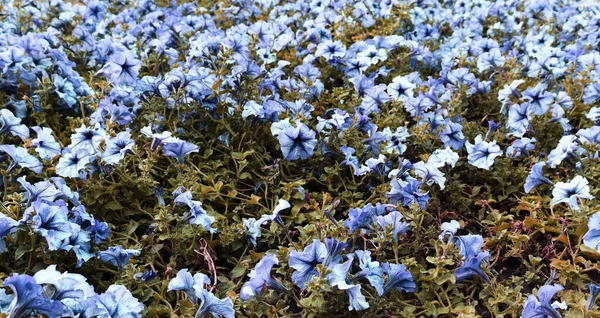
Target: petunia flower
pixel 305 262
pixel 260 277
pixel 73 164
pixel 398 277
pixel 70 289
pixel 536 177
pixel 297 143
pixel 452 135
pixel 539 99
pixel 43 190
pixel 12 124
pixel 50 221
pixel 45 144
pixel 117 301
pixel 472 267
pixel 540 306
pixel 118 256
pixel 184 281
pixel 483 153
pixel 20 158
pixel 157 138
pixel 338 278
pixel 121 68
pixel 393 221
pixel 371 270
pixel 179 149
pixel 571 192
pixel 197 214
pixel 30 298
pixel 7 227
pixel 210 304
pixel 411 194
pixel 87 139
pixel 594 291
pixel 118 147
pixel 591 239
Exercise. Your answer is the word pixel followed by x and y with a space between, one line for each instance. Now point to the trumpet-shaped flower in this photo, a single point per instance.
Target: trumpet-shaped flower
pixel 297 143
pixel 483 153
pixel 571 192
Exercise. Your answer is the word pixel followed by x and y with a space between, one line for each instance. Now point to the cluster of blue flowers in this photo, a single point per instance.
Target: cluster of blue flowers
pixel 86 88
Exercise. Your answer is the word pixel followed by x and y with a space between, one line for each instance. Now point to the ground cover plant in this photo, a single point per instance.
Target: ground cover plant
pixel 265 158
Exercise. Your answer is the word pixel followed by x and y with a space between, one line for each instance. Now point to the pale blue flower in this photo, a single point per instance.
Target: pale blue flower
pixel 571 192
pixel 483 153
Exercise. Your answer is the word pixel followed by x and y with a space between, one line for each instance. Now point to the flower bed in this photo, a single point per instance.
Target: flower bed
pixel 301 159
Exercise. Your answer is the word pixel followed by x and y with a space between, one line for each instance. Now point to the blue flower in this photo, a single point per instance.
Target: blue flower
pixel 210 304
pixel 305 262
pixel 118 256
pixel 520 147
pixel 452 135
pixel 591 239
pixel 398 277
pixel 43 190
pixel 253 229
pixel 468 245
pixel 30 298
pixel 118 147
pixel 352 161
pixel 338 278
pixel 45 144
pixel 371 270
pixel 334 247
pixel 260 276
pixel 121 68
pixel 179 149
pixel 65 90
pixel 73 164
pixel 20 158
pixel 184 281
pixel 157 138
pixel 87 139
pixel 51 222
pixel 197 214
pixel 536 177
pixel 70 289
pixel 542 307
pixel 539 99
pixel 411 194
pixel 116 302
pixel 483 153
pixel 393 221
pixel 297 143
pixel 12 124
pixel 79 243
pixel 594 291
pixel 449 229
pixel 472 267
pixel 7 227
pixel 571 192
